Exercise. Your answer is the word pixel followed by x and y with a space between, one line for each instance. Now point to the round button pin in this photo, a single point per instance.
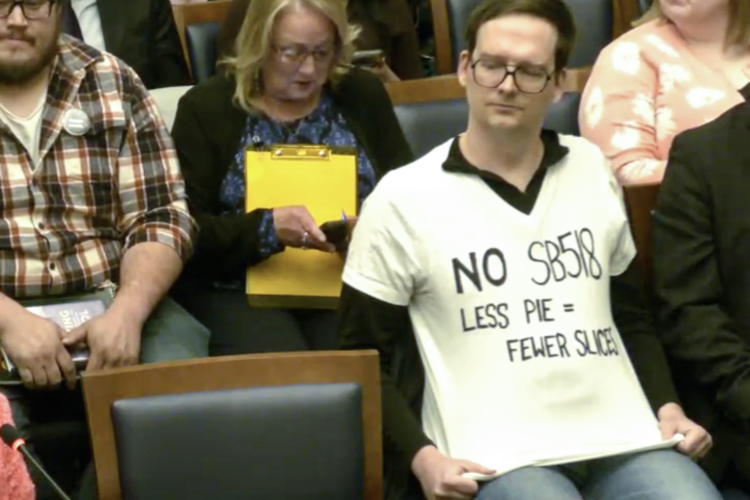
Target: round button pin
pixel 76 122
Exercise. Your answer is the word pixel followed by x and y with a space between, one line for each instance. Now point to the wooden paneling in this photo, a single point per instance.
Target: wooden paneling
pixel 640 201
pixel 576 79
pixel 625 12
pixel 442 35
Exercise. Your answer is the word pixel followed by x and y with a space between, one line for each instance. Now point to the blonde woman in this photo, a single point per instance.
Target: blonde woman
pixel 290 82
pixel 386 25
pixel 686 63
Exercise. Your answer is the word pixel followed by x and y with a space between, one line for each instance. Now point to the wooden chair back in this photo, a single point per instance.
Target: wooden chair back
pixel 187 14
pixel 640 202
pixel 102 389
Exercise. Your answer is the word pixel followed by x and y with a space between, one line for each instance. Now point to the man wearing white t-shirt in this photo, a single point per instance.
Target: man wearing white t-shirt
pixel 494 252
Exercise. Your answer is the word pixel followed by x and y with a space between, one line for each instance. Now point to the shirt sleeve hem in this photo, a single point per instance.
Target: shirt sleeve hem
pixel 374 288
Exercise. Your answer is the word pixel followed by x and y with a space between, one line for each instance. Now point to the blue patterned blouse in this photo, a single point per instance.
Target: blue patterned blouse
pixel 324 126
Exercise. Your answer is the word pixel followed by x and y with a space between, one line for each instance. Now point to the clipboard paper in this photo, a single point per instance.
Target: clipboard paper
pixel 324 180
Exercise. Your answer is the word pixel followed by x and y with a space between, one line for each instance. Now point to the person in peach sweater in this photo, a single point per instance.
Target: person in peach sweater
pixel 15 483
pixel 685 64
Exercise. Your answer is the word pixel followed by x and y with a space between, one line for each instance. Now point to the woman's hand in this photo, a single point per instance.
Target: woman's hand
pixel 295 227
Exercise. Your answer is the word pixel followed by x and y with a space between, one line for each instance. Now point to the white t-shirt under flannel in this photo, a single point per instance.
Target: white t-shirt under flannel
pixel 523 362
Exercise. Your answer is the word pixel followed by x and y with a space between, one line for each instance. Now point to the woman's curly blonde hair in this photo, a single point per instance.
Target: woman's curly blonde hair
pixel 254 43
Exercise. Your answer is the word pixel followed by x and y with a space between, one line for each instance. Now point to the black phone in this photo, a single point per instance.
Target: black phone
pixel 335 231
pixel 368 58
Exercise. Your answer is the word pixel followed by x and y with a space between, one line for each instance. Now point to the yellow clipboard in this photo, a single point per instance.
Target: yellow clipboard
pixel 324 180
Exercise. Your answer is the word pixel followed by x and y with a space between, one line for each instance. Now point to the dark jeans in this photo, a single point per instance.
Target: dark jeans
pixel 734 494
pixel 734 486
pixel 237 328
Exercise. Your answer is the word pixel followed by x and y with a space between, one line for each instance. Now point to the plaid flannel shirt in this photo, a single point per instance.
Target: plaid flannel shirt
pixel 67 221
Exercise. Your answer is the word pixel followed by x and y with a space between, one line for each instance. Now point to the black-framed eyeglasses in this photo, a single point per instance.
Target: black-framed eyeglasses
pixel 527 79
pixel 31 9
pixel 295 55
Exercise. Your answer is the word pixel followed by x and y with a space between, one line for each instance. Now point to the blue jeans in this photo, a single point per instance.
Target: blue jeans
pixel 652 475
pixel 172 334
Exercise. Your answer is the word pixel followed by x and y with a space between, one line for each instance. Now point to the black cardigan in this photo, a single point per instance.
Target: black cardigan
pixel 207 131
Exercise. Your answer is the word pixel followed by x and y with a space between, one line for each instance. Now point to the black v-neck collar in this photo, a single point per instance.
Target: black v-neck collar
pixel 523 201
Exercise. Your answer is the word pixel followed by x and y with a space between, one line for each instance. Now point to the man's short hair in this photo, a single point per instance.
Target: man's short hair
pixel 555 12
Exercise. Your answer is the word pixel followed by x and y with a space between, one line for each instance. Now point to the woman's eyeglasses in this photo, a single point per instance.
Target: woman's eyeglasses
pixel 296 55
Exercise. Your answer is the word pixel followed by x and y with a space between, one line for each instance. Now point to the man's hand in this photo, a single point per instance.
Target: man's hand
pixel 441 476
pixel 672 420
pixel 34 344
pixel 113 338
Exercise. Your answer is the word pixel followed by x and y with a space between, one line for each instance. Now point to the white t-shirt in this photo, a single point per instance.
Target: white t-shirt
pixel 27 130
pixel 511 312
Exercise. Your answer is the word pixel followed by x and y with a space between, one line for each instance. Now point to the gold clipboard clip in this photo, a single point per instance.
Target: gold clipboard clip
pixel 297 152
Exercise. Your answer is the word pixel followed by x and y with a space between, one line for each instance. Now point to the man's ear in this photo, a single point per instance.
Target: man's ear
pixel 559 80
pixel 463 67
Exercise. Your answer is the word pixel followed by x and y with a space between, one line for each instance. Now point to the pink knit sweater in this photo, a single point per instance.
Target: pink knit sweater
pixel 646 87
pixel 15 483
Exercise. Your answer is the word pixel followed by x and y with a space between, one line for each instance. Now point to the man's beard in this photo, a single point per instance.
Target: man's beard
pixel 22 73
